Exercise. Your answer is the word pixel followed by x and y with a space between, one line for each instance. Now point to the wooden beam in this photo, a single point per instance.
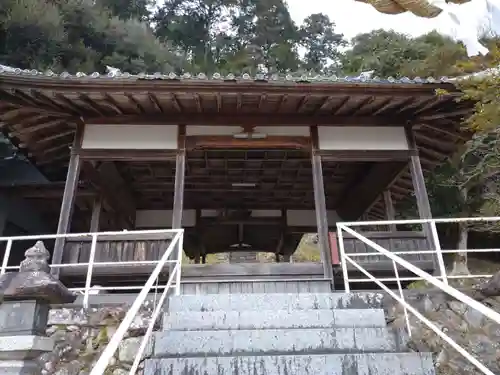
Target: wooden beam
pixel 180 173
pixel 421 196
pixel 246 119
pixel 418 179
pixel 320 207
pixel 224 142
pixel 366 191
pixel 364 155
pixel 126 155
pixel 65 214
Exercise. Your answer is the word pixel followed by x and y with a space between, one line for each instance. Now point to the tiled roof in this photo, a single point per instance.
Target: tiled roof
pixel 115 74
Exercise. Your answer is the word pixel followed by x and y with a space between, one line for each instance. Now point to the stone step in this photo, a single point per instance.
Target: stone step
pixel 273 319
pixel 274 341
pixel 275 301
pixel 332 364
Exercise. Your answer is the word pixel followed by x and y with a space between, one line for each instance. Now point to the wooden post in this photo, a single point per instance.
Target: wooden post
pixel 180 171
pixel 417 176
pixel 68 199
pixel 320 207
pixel 96 214
pixel 389 210
pixel 418 180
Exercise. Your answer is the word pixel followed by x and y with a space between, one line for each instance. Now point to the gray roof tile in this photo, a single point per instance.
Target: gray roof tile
pixel 292 78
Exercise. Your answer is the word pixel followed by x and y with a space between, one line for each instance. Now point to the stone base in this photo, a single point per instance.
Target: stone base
pixel 19 368
pixel 21 348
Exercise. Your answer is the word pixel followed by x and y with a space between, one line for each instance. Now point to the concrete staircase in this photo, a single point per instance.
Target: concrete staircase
pixel 280 334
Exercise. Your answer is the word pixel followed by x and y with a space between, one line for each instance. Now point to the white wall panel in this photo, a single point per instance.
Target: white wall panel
pixel 130 137
pixel 362 138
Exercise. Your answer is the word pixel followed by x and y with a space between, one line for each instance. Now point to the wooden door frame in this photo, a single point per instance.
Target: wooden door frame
pixel 197 142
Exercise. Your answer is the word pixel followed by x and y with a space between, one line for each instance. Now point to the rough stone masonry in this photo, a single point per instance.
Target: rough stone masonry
pixel 477 334
pixel 81 336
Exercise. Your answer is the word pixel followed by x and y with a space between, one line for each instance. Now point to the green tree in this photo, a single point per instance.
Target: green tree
pixel 79 35
pixel 127 9
pixel 31 33
pixel 318 37
pixel 392 54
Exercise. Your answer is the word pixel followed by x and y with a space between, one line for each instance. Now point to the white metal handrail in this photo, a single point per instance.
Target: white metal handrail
pixel 103 361
pixel 164 234
pixel 435 242
pixel 174 280
pixel 397 260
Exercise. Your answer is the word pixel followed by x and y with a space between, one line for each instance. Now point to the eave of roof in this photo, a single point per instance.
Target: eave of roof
pixel 116 75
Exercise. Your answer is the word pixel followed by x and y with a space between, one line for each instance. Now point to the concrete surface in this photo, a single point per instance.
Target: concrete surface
pixel 333 364
pixel 275 301
pixel 274 341
pixel 272 319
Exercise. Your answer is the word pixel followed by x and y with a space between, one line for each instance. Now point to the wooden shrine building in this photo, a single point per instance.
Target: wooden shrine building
pixel 241 163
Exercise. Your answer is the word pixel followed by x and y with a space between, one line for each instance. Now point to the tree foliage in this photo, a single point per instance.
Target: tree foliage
pixel 227 36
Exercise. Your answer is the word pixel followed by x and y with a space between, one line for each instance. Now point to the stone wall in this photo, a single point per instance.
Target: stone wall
pixel 477 334
pixel 81 337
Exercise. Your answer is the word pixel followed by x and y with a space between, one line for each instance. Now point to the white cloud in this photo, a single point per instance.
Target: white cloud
pixel 352 17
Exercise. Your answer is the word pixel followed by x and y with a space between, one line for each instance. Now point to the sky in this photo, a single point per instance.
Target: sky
pixel 352 17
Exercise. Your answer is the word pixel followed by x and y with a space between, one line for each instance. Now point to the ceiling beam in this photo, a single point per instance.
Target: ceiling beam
pixel 361 196
pixel 111 186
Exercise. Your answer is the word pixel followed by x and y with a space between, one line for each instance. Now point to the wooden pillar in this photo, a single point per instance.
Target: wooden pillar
pixel 418 180
pixel 68 198
pixel 417 176
pixel 96 214
pixel 320 206
pixel 389 210
pixel 180 171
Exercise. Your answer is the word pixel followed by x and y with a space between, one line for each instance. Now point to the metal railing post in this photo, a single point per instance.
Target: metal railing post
pixel 343 263
pixel 180 249
pixel 6 256
pixel 439 253
pixel 88 279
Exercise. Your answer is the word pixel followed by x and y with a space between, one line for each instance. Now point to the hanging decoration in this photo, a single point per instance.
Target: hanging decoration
pixel 420 8
pixel 466 32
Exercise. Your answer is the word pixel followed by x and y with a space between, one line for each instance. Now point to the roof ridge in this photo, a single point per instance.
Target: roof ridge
pixel 296 77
